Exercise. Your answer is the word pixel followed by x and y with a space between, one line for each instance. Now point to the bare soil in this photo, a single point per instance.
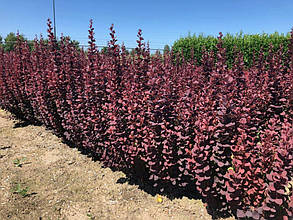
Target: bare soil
pixel 43 178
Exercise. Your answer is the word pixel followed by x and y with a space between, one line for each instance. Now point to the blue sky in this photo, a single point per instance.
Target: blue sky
pixel 161 21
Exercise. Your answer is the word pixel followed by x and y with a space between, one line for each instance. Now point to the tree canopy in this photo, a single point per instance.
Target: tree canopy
pixel 10 41
pixel 166 49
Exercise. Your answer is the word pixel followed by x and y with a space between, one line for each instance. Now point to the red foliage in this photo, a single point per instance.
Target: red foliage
pixel 228 131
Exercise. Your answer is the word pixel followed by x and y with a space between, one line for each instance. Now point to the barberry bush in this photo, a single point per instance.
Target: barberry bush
pixel 226 131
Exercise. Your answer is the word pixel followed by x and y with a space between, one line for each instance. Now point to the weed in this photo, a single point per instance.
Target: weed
pixel 91 217
pixel 21 191
pixel 19 162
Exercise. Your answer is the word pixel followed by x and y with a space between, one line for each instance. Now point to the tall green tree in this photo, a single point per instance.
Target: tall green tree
pixel 10 41
pixel 1 43
pixel 166 49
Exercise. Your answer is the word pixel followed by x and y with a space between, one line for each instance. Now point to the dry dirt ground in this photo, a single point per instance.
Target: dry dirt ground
pixel 42 178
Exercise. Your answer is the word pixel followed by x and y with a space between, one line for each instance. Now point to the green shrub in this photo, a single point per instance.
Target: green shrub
pixel 248 44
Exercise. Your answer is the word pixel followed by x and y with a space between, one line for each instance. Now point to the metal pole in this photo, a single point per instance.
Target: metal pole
pixel 54 18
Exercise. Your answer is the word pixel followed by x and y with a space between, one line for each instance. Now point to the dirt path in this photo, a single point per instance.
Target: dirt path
pixel 42 178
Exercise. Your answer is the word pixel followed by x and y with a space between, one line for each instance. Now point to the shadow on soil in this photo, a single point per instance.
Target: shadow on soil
pixel 170 191
pixel 22 124
pixel 143 183
pixel 173 192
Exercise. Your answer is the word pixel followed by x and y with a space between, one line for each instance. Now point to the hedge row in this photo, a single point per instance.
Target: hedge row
pixel 250 45
pixel 226 131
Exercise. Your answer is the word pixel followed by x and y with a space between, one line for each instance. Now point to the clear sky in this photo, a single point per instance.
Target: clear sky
pixel 161 21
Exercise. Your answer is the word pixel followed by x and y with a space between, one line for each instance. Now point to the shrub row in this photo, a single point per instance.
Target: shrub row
pixel 226 131
pixel 250 45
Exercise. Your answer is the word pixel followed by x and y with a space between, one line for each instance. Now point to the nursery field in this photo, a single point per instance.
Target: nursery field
pixel 42 178
pixel 218 132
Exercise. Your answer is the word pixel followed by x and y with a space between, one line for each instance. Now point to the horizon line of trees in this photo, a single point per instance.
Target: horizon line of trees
pixel 8 44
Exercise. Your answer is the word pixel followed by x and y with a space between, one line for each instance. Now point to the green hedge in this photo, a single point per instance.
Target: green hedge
pixel 246 43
